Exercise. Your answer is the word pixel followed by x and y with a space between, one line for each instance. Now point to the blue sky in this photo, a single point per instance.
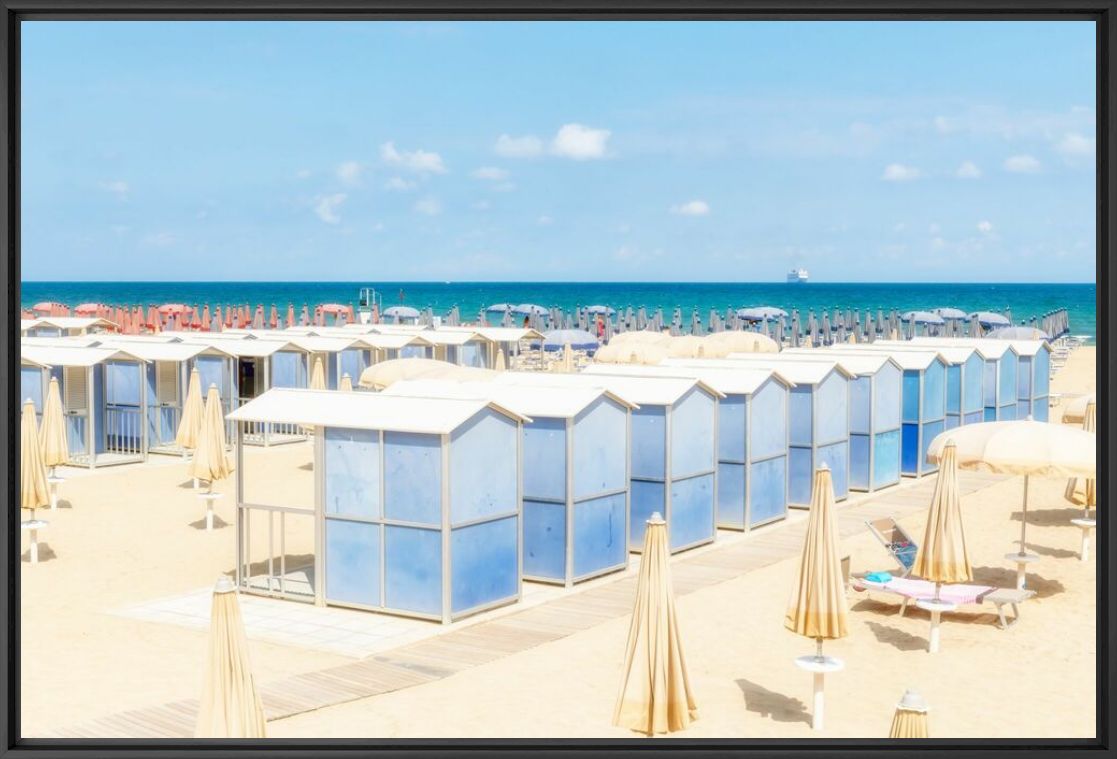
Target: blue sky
pixel 698 151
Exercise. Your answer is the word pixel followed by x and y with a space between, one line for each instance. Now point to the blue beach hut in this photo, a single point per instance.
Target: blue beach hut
pixel 999 380
pixel 575 473
pixel 924 407
pixel 417 501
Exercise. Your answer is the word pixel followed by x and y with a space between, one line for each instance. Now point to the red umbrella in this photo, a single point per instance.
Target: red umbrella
pixel 46 308
pixel 206 320
pixel 258 318
pixel 290 315
pixel 350 315
pixel 90 309
pixel 273 320
pixel 196 322
pixel 170 309
pixel 153 321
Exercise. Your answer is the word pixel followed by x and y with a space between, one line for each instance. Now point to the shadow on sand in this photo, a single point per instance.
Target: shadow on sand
pixel 46 553
pixel 218 523
pixel 768 703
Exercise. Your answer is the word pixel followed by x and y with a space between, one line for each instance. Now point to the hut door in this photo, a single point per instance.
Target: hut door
pixel 169 409
pixel 246 378
pixel 75 403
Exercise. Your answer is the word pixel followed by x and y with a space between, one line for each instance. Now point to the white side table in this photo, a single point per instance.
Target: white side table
pixel 1022 559
pixel 1085 524
pixel 209 498
pixel 53 483
pixel 936 607
pixel 820 666
pixel 33 526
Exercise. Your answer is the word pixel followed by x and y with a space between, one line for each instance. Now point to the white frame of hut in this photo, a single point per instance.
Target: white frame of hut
pixel 461 475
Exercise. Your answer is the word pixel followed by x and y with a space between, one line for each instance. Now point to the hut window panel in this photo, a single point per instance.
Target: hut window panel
pixel 166 382
pixel 953 389
pixel 731 428
pixel 599 526
pixel 911 396
pixel 473 354
pixel 646 499
pixel 648 442
pixel 692 510
pixel 768 418
pixel 544 459
pixel 1042 374
pixel 413 569
pixel 352 364
pixel 600 449
pixel 888 388
pixel 989 384
pixel 484 563
pixel 886 458
pixel 930 430
pixel 1006 388
pixel 413 477
pixel 934 391
pixel 75 388
pixel 910 461
pixel 801 415
pixel 731 495
pixel 1007 413
pixel 1024 378
pixel 767 490
pixel 352 472
pixel 544 539
pixel 122 383
pixel 353 562
pixel 414 351
pixel 972 377
pixel 213 370
pixel 833 409
pixel 836 456
pixel 800 471
pixel 31 386
pixel 484 468
pixel 858 462
pixel 1040 410
pixel 860 399
pixel 288 369
pixel 692 435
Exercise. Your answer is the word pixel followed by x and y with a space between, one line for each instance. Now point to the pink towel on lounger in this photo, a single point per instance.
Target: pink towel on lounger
pixel 916 589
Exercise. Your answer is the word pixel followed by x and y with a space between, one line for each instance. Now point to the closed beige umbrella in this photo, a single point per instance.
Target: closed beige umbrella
pixel 817 608
pixel 229 706
pixel 655 695
pixel 190 426
pixel 1028 448
pixel 942 556
pixel 346 384
pixel 33 490
pixel 318 375
pixel 1084 491
pixel 210 461
pixel 56 450
pixel 910 719
pixel 500 364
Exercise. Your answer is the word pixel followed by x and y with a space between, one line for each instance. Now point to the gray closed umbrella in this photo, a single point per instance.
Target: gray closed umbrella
pixel 825 328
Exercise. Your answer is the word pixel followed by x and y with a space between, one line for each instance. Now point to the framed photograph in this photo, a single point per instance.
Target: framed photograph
pixel 419 377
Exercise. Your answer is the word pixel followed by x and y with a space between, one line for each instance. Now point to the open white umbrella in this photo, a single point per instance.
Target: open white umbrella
pixel 1028 448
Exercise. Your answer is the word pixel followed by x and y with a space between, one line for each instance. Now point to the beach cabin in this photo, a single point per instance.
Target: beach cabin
pixel 752 437
pixel 874 413
pixel 459 347
pixel 673 457
pixel 1033 379
pixel 511 340
pixel 417 502
pixel 375 346
pixel 575 473
pixel 999 380
pixel 924 407
pixel 66 326
pixel 103 399
pixel 339 355
pixel 34 378
pixel 818 417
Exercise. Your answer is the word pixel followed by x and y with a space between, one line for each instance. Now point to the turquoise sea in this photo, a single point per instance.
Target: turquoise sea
pixel 1025 300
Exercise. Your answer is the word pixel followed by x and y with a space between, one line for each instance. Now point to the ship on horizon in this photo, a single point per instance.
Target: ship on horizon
pixel 798 276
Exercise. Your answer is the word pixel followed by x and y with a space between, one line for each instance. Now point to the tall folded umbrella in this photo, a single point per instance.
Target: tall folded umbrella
pixel 210 462
pixel 655 695
pixel 318 376
pixel 230 705
pixel 910 719
pixel 33 490
pixel 942 556
pixel 817 608
pixel 190 426
pixel 345 385
pixel 1028 448
pixel 56 450
pixel 500 364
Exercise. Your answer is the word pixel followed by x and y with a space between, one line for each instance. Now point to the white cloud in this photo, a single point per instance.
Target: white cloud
pixel 544 221
pixel 527 146
pixel 1022 164
pixel 302 174
pixel 984 227
pixel 692 208
pixel 898 172
pixel 625 253
pixel 1074 144
pixel 160 239
pixel 429 206
pixel 327 206
pixel 399 184
pixel 580 142
pixel 419 161
pixel 943 125
pixel 117 187
pixel 490 173
pixel 968 170
pixel 349 173
pixel 938 243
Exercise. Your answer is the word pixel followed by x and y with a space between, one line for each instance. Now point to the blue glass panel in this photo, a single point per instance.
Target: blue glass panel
pixel 692 511
pixel 930 431
pixel 731 429
pixel 122 386
pixel 974 418
pixel 98 403
pixel 954 389
pixel 352 472
pixel 1007 413
pixel 649 436
pixel 990 414
pixel 599 534
pixel 545 459
pixel 413 569
pixel 76 428
pixel 832 409
pixel 836 456
pixel 934 391
pixel 731 495
pixel 1041 409
pixel 989 384
pixel 1006 383
pixel 544 540
pixel 693 422
pixel 484 475
pixel 768 421
pixel 888 386
pixel 972 378
pixel 800 470
pixel 1023 409
pixel 415 351
pixel 909 458
pixel 886 458
pixel 1042 373
pixel 952 421
pixel 859 474
pixel 600 448
pixel 911 395
pixel 31 386
pixel 473 354
pixel 801 414
pixel 288 369
pixel 1024 378
pixel 352 562
pixel 213 370
pixel 353 363
pixel 484 563
pixel 413 477
pixel 767 488
pixel 646 499
pixel 860 404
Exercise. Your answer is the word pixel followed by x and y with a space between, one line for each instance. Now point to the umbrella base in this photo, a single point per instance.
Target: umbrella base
pixel 936 607
pixel 53 483
pixel 33 526
pixel 1085 524
pixel 1022 561
pixel 209 498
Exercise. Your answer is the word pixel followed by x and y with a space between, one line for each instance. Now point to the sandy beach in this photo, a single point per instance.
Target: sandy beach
pixel 130 535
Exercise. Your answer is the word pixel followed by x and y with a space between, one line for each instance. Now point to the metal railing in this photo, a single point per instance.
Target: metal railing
pixel 268 433
pixel 124 430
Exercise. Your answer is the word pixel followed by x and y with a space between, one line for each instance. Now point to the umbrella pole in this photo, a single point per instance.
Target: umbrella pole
pixel 1022 557
pixel 1024 519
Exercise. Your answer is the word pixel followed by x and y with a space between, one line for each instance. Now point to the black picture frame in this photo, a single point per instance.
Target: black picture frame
pixel 1102 12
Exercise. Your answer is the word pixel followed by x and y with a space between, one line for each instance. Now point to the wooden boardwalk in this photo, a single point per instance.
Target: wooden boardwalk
pixel 468 646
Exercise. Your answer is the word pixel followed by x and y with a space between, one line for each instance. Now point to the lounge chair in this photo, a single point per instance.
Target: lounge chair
pixel 911 589
pixel 896 541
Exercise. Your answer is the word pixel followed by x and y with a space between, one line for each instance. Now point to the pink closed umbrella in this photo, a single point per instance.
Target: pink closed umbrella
pixel 290 314
pixel 273 319
pixel 258 319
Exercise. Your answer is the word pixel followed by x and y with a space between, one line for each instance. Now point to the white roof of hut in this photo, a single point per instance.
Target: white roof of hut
pixel 799 372
pixel 63 356
pixel 532 402
pixel 638 391
pixel 728 381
